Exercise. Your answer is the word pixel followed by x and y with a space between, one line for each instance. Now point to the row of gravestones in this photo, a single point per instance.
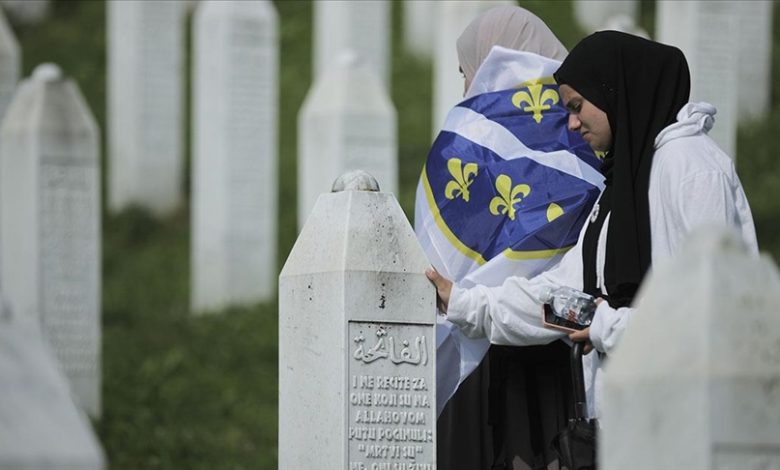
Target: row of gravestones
pixel 694 383
pixel 49 275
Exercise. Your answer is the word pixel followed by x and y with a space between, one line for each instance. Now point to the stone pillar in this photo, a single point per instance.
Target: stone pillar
pixel 755 58
pixel 50 235
pixel 40 427
pixel 593 15
pixel 420 17
pixel 452 18
pixel 707 32
pixel 234 167
pixel 10 64
pixel 145 107
pixel 347 122
pixel 362 27
pixel 695 381
pixel 356 338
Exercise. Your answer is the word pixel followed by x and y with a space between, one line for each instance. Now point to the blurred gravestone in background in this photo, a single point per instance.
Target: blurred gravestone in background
pixel 452 17
pixel 707 32
pixel 593 15
pixel 26 12
pixel 347 122
pixel 10 64
pixel 362 27
pixel 755 58
pixel 356 338
pixel 50 240
pixel 625 24
pixel 695 381
pixel 234 168
pixel 419 27
pixel 145 109
pixel 40 426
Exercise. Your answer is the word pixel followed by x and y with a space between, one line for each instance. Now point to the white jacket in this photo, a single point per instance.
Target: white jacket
pixel 692 183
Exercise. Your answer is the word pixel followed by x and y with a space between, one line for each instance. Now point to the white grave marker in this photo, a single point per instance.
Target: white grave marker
pixel 50 237
pixel 695 381
pixel 360 26
pixel 145 107
pixel 420 18
pixel 707 32
pixel 592 15
pixel 452 18
pixel 347 122
pixel 755 58
pixel 10 64
pixel 234 168
pixel 357 338
pixel 40 427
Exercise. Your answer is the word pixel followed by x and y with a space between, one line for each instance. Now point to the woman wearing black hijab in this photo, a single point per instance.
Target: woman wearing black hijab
pixel 663 177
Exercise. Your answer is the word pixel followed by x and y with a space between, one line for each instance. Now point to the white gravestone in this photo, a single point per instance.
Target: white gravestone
pixel 10 64
pixel 360 26
pixel 27 12
pixel 755 58
pixel 50 237
pixel 357 338
pixel 592 15
pixel 419 27
pixel 347 122
pixel 40 426
pixel 706 32
pixel 695 381
pixel 145 107
pixel 234 167
pixel 452 18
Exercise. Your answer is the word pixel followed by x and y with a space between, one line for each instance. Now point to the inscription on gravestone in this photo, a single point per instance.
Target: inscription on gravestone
pixel 391 404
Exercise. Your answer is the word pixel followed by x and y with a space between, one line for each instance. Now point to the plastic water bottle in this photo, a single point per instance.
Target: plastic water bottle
pixel 570 304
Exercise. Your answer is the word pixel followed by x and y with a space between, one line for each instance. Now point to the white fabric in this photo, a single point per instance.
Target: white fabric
pixel 692 183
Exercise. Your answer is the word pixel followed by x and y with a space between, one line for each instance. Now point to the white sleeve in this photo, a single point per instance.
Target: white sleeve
pixel 608 326
pixel 705 198
pixel 511 314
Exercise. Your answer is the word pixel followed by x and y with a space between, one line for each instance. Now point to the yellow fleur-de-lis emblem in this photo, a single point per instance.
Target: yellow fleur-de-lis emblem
pixel 535 99
pixel 600 155
pixel 464 176
pixel 508 196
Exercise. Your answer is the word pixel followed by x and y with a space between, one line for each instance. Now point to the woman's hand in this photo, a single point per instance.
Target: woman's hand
pixel 584 335
pixel 443 288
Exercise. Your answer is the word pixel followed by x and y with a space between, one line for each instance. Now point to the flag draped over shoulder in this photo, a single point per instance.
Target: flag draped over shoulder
pixel 504 191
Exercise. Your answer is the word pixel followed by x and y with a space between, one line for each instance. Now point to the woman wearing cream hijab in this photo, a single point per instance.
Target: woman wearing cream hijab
pixel 527 387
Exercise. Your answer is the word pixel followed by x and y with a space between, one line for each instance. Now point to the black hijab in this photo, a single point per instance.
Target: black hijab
pixel 640 85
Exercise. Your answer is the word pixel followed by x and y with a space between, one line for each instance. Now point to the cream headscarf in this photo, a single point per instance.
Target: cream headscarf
pixel 509 26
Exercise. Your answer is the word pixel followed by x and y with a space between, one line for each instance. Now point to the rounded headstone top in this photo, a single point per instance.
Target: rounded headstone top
pixel 47 72
pixel 356 180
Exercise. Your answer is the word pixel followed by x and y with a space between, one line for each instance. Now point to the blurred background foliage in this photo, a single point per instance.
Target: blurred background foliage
pixel 201 392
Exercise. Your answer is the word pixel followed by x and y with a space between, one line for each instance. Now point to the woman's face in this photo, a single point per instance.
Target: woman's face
pixel 587 119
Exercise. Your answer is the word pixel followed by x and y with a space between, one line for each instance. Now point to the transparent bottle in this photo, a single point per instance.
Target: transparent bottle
pixel 570 304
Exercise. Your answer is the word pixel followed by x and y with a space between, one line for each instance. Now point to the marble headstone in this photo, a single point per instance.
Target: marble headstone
pixel 145 107
pixel 27 12
pixel 419 27
pixel 362 27
pixel 357 338
pixel 592 15
pixel 695 381
pixel 234 167
pixel 452 18
pixel 40 426
pixel 707 32
pixel 347 122
pixel 50 234
pixel 10 63
pixel 755 58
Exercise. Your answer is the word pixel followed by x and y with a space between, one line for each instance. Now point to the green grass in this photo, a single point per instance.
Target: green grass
pixel 201 392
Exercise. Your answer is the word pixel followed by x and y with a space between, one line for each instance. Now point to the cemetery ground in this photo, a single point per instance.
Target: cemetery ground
pixel 201 392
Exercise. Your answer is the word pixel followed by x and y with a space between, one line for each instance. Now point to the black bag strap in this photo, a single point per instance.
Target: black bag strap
pixel 578 381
